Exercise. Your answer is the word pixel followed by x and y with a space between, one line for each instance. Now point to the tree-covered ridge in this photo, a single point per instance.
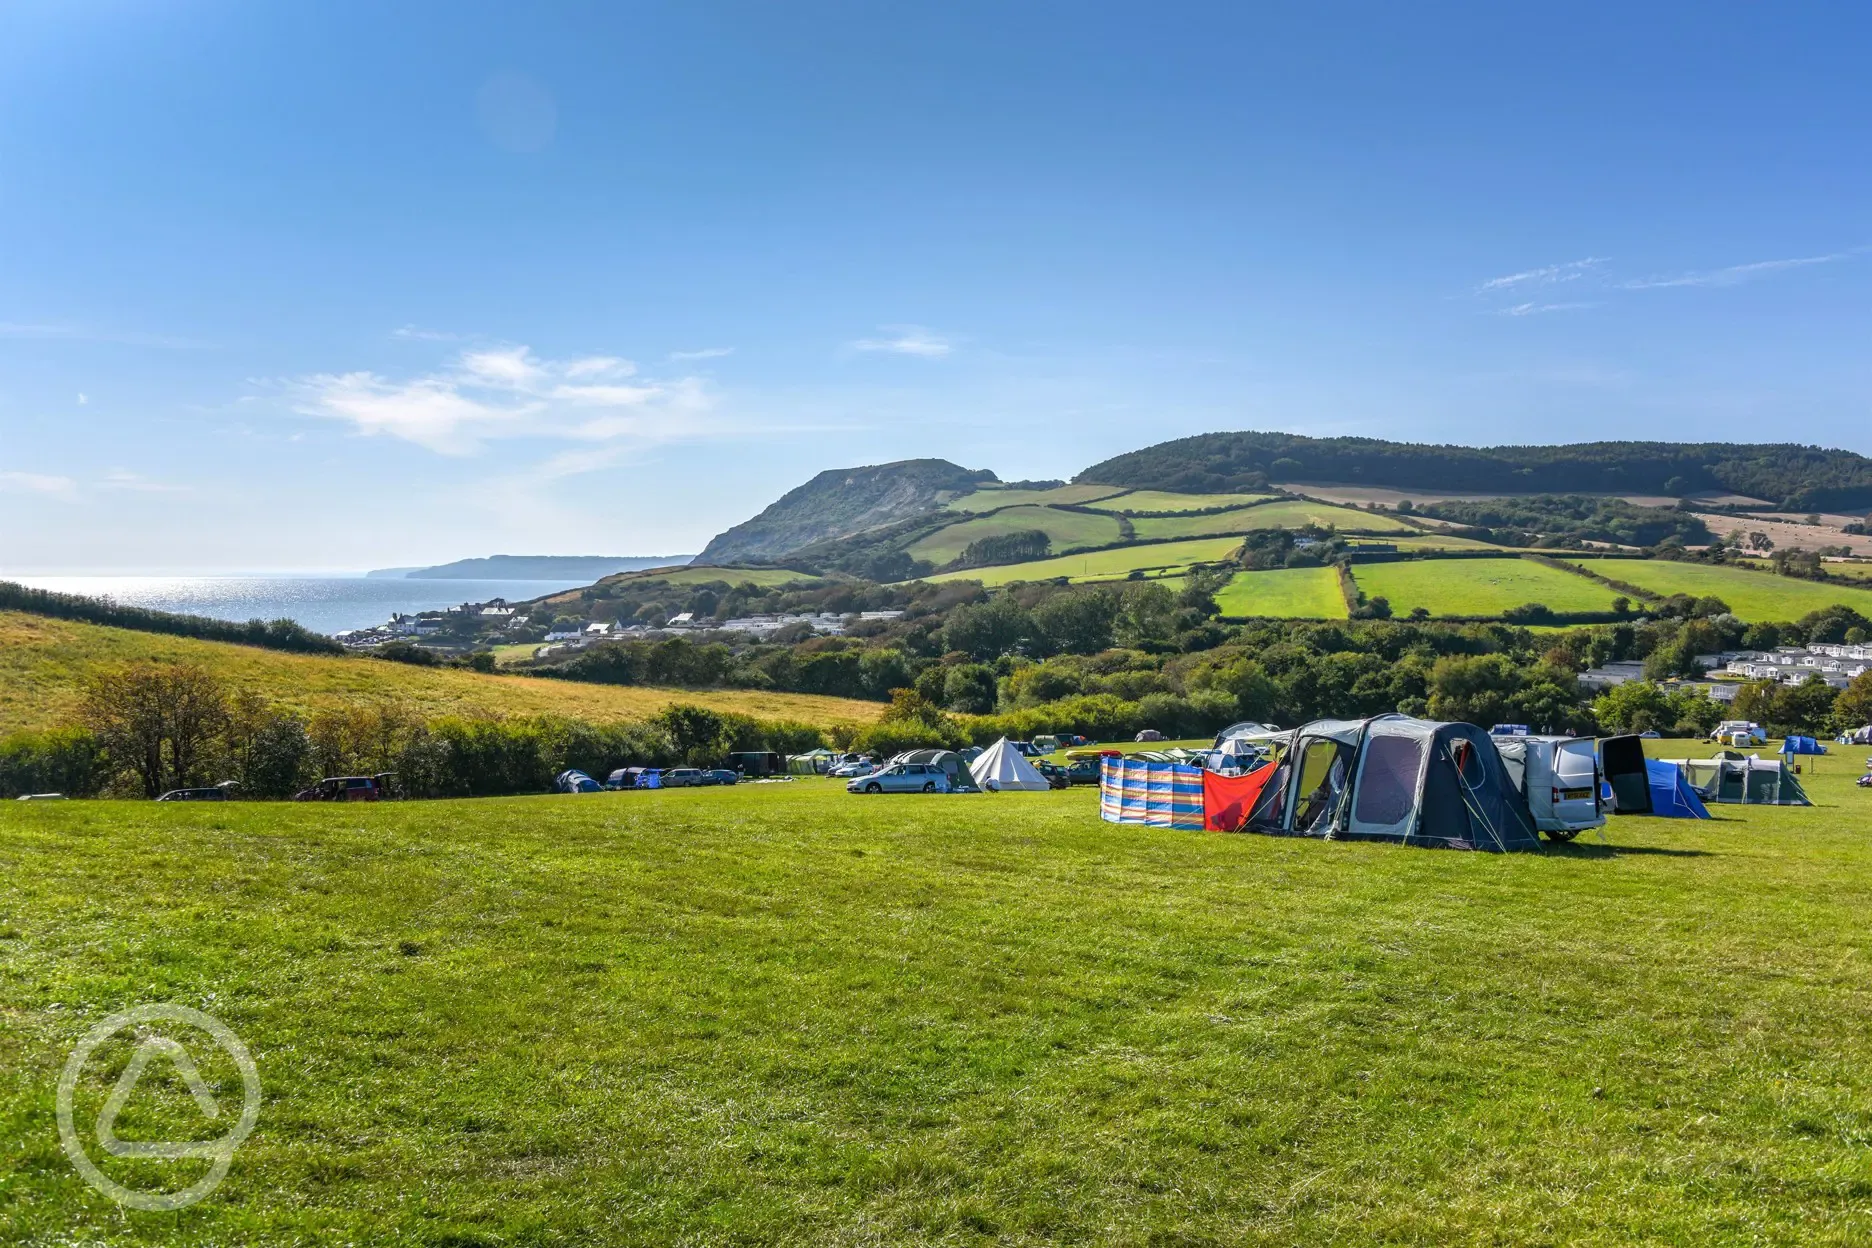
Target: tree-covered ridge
pixel 1791 476
pixel 1560 520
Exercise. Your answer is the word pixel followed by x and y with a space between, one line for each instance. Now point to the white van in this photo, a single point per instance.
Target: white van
pixel 1559 777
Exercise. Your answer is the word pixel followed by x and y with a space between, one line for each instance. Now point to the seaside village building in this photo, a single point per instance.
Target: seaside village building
pixel 1837 664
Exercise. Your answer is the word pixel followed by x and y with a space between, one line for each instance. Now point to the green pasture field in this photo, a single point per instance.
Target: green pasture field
pixel 1066 528
pixel 1751 595
pixel 1478 586
pixel 1440 541
pixel 988 500
pixel 1239 520
pixel 1290 593
pixel 784 1014
pixel 684 575
pixel 1293 513
pixel 1134 501
pixel 1103 564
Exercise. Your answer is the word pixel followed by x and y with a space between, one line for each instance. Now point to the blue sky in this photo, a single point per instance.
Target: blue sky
pixel 335 285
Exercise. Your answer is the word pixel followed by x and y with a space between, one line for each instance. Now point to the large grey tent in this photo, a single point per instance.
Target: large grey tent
pixel 1394 778
pixel 1731 779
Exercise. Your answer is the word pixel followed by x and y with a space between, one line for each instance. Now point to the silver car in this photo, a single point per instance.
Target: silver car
pixel 902 778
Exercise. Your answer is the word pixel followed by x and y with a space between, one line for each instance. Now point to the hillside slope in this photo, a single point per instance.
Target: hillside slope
pixel 841 502
pixel 44 662
pixel 1796 477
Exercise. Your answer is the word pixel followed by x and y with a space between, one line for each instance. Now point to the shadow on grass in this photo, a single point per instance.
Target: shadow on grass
pixel 1577 850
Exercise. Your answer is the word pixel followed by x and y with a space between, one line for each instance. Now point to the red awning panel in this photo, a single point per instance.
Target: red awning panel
pixel 1228 799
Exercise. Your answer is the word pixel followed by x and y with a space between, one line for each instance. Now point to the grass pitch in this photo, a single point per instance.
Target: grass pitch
pixel 1478 586
pixel 44 664
pixel 1289 593
pixel 782 1014
pixel 1751 595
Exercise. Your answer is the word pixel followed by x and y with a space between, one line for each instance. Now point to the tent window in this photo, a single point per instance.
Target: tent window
pixel 1388 781
pixel 1324 769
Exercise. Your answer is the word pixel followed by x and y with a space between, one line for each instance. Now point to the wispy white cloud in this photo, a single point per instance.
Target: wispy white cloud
pixel 1736 274
pixel 509 392
pixel 81 333
pixel 83 398
pixel 135 483
pixel 63 489
pixel 1536 309
pixel 420 334
pixel 706 353
pixel 907 340
pixel 1571 271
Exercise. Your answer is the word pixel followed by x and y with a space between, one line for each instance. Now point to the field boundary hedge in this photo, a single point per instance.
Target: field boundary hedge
pixel 282 634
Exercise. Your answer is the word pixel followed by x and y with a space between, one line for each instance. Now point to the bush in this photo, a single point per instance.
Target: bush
pixel 62 760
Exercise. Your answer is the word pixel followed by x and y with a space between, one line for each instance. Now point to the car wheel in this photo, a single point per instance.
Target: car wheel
pixel 1562 836
pixel 874 787
pixel 930 787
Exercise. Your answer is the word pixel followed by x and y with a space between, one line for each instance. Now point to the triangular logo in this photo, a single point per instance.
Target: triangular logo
pixel 126 1084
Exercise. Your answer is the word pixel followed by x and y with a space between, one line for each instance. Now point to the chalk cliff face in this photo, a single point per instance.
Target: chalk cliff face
pixel 842 502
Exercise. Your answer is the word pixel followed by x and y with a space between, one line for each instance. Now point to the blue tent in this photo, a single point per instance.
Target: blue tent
pixel 1802 745
pixel 1671 794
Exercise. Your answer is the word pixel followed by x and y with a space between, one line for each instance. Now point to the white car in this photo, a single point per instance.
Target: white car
pixel 902 778
pixel 1730 727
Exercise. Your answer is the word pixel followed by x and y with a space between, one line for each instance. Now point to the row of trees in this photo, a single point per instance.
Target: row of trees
pixel 146 728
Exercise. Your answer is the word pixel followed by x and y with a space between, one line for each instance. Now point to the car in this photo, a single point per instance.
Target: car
pixel 902 778
pixel 720 775
pixel 1083 770
pixel 1057 776
pixel 42 797
pixel 194 795
pixel 346 789
pixel 649 777
pixel 683 778
pixel 1730 728
pixel 847 771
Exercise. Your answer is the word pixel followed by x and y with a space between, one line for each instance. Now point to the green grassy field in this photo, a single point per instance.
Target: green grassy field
pixel 1103 564
pixel 1066 528
pixel 1292 593
pixel 988 500
pixel 1294 512
pixel 44 664
pixel 781 1014
pixel 1751 595
pixel 1478 586
pixel 1132 502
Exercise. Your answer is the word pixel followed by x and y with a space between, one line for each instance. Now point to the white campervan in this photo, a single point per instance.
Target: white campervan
pixel 1729 729
pixel 1559 777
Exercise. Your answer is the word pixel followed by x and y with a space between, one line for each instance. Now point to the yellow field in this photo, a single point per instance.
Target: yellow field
pixel 43 663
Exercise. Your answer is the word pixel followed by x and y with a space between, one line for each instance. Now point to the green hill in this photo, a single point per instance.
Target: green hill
pixel 840 503
pixel 1791 476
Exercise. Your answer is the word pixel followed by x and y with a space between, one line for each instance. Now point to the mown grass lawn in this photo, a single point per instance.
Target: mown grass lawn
pixel 1478 586
pixel 1287 593
pixel 1751 595
pixel 781 1014
pixel 44 664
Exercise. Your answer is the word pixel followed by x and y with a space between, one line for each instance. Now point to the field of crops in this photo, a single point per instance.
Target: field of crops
pixel 44 663
pixel 1066 528
pixel 1478 586
pixel 1751 595
pixel 779 1014
pixel 1288 593
pixel 1104 565
pixel 988 500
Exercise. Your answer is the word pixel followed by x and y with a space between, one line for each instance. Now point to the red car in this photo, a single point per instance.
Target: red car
pixel 347 789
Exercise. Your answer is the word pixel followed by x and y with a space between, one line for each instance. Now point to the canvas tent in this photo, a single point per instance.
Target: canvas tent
pixel 1003 769
pixel 1751 781
pixel 1394 778
pixel 1801 745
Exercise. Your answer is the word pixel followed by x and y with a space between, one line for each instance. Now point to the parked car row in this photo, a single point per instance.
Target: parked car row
pixel 668 778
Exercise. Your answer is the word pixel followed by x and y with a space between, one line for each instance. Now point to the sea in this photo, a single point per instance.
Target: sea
pixel 324 604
